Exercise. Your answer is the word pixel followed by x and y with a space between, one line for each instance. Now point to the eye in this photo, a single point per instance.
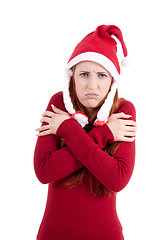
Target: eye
pixel 102 75
pixel 84 74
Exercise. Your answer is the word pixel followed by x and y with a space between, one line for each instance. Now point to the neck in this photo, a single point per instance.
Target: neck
pixel 89 110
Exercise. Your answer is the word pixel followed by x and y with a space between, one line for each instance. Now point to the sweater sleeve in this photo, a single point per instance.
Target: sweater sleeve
pixel 52 163
pixel 114 172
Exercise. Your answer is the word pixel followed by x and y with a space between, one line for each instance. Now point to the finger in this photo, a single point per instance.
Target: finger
pixel 45 127
pixel 130 129
pixel 130 134
pixel 45 119
pixel 44 133
pixel 129 122
pixel 122 115
pixel 48 113
pixel 128 139
pixel 57 110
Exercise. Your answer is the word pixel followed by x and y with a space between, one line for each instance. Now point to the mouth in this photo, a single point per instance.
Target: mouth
pixel 91 95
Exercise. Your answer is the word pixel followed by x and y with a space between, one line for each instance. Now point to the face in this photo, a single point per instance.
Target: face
pixel 92 84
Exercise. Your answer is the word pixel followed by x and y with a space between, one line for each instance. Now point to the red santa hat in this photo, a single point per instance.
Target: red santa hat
pixel 100 47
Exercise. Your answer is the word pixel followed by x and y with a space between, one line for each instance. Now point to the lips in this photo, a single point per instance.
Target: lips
pixel 92 95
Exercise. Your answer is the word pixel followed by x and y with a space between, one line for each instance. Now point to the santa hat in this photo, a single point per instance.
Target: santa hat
pixel 100 47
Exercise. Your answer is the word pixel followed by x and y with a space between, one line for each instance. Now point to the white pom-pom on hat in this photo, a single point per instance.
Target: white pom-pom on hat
pixel 126 62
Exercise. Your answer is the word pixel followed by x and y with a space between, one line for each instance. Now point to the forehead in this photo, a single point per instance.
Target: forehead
pixel 90 65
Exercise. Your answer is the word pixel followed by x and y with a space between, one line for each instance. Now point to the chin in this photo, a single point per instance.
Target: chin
pixel 91 106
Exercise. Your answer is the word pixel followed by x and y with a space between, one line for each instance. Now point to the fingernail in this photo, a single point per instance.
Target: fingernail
pixel 53 106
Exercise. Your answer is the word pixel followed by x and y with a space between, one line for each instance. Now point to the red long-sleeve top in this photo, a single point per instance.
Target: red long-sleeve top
pixel 75 213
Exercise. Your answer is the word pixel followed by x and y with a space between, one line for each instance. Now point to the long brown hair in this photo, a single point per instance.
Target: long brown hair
pixel 77 177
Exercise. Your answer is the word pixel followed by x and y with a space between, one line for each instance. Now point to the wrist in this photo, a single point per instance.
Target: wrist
pixel 102 135
pixel 61 130
pixel 105 130
pixel 111 132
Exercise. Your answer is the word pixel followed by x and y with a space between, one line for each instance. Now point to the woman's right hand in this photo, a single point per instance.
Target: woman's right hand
pixel 121 128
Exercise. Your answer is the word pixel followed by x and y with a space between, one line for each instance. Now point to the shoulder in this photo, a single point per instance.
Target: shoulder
pixel 127 107
pixel 57 100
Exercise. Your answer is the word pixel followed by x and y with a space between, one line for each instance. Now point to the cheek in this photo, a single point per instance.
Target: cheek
pixel 105 87
pixel 79 87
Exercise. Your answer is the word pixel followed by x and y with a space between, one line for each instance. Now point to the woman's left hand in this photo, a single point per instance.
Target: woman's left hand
pixel 54 120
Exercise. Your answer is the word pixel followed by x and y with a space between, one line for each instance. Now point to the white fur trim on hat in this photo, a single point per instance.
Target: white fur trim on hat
pixel 66 96
pixel 98 58
pixel 81 119
pixel 104 111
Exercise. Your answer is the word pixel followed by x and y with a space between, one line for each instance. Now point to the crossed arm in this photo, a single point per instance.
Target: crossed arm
pixel 52 163
pixel 83 149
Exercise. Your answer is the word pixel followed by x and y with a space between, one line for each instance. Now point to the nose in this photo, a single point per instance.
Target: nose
pixel 92 82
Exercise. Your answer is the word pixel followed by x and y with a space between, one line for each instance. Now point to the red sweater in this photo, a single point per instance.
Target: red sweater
pixel 75 214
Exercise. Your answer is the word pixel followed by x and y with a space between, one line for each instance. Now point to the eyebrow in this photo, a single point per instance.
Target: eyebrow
pixel 103 72
pixel 97 72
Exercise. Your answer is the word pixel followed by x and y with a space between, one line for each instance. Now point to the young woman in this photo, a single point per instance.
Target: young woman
pixel 85 149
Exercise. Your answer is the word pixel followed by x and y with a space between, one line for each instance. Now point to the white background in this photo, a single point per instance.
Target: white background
pixel 36 41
